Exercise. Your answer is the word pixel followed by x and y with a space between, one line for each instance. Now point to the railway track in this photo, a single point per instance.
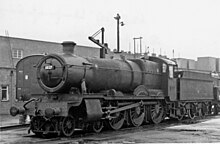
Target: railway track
pixel 12 127
pixel 106 135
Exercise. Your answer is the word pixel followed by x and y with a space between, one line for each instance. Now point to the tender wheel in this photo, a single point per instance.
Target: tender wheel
pixel 97 126
pixel 181 113
pixel 68 126
pixel 203 110
pixel 117 122
pixel 192 111
pixel 155 113
pixel 137 115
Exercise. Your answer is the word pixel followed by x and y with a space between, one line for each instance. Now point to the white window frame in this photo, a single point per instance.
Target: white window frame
pixel 17 53
pixel 5 88
pixel 171 71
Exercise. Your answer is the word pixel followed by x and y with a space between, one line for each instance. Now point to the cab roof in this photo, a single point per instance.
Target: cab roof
pixel 162 60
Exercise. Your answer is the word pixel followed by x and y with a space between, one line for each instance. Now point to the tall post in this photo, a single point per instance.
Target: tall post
pixel 102 50
pixel 118 17
pixel 140 46
pixel 118 42
pixel 134 46
pixel 103 30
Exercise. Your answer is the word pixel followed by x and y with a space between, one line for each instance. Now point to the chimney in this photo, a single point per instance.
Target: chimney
pixel 154 54
pixel 68 47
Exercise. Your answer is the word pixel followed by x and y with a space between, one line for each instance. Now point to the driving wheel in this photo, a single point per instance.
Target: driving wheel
pixel 117 121
pixel 155 113
pixel 137 115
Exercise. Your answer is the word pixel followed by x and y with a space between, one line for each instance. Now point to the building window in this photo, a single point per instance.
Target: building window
pixel 17 53
pixel 5 95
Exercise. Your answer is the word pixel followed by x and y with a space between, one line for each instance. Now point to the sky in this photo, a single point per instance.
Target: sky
pixel 189 28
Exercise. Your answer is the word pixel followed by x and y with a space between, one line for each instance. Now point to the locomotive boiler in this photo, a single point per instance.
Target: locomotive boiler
pixel 60 73
pixel 92 93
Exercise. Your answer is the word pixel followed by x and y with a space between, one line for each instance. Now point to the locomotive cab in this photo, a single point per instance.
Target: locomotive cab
pixel 168 81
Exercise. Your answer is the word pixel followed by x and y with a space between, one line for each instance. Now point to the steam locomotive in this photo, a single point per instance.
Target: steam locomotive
pixel 91 93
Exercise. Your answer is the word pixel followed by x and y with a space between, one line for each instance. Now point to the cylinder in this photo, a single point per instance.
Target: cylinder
pixel 49 112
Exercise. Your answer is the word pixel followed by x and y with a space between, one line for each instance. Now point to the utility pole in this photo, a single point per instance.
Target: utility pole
pixel 118 17
pixel 134 46
pixel 140 45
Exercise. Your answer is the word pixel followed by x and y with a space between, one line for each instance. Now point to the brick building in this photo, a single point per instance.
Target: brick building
pixel 186 63
pixel 208 64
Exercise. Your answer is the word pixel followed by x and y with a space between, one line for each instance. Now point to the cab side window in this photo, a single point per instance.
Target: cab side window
pixel 171 71
pixel 164 68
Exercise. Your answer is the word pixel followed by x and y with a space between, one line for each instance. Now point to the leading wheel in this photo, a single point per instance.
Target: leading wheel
pixel 68 126
pixel 155 113
pixel 117 121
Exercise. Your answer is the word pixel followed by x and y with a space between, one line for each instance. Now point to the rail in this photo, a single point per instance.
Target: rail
pixel 12 127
